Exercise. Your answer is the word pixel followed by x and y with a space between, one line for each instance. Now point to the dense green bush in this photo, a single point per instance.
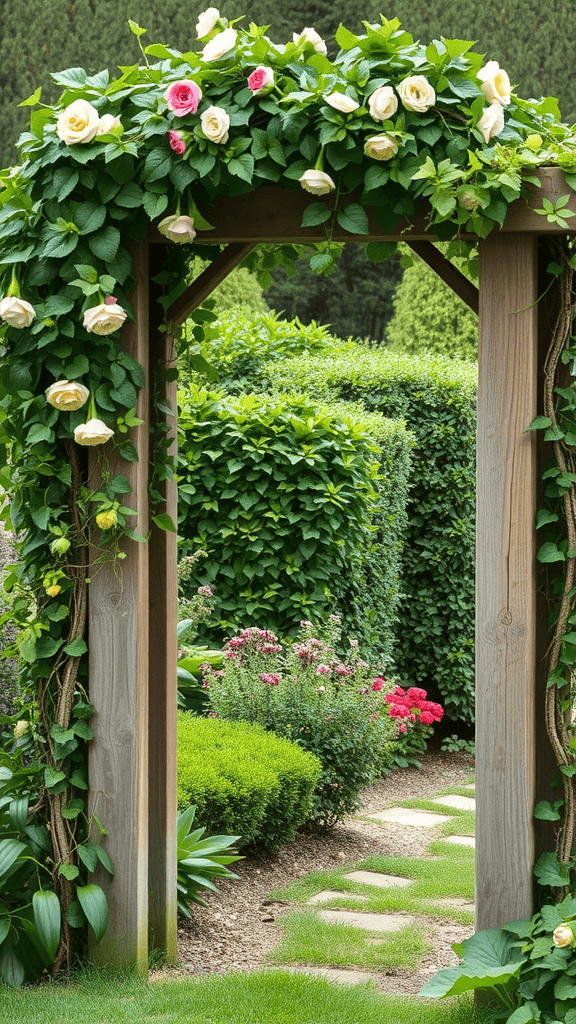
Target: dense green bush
pixel 333 708
pixel 430 317
pixel 243 780
pixel 241 341
pixel 284 498
pixel 436 396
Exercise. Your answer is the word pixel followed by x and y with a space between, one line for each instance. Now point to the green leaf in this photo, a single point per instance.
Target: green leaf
pixel 550 553
pixel 76 647
pixel 10 850
pixel 154 204
pixel 46 908
pixel 93 903
pixel 377 252
pixel 130 195
pixel 549 871
pixel 88 856
pixel 354 218
pixel 89 217
pixel 164 522
pixel 33 99
pixel 158 164
pixel 316 213
pixel 11 968
pixel 543 516
pixel 488 959
pixel 69 871
pixel 136 28
pixel 545 811
pixel 4 928
pixel 105 243
pixel 52 777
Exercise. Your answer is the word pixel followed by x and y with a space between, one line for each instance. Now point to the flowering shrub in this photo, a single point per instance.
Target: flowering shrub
pixel 336 709
pixel 415 716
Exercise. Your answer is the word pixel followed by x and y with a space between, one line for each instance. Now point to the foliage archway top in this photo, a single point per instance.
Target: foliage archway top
pixel 387 119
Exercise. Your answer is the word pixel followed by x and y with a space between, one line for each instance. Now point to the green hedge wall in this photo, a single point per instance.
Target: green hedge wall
pixel 244 781
pixel 437 397
pixel 286 499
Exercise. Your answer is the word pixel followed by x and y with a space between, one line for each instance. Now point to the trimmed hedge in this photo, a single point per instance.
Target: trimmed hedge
pixel 285 499
pixel 437 398
pixel 244 781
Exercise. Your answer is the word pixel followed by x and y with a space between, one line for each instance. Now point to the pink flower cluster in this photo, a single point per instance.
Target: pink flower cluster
pixel 270 677
pixel 412 704
pixel 252 641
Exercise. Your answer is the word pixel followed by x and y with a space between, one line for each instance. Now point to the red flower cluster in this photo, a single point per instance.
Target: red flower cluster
pixel 270 677
pixel 412 703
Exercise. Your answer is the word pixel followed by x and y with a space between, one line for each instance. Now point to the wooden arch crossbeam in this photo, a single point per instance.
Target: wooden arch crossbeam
pixel 133 755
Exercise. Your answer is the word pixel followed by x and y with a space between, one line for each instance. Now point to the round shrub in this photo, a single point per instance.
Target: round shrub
pixel 243 780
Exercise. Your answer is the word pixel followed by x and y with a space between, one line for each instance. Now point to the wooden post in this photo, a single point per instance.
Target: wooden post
pixel 118 675
pixel 163 650
pixel 506 655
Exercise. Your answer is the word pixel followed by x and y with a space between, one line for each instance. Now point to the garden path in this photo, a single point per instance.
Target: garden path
pixel 242 927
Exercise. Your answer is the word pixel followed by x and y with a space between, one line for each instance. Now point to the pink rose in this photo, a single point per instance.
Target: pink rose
pixel 261 81
pixel 183 97
pixel 176 142
pixel 402 728
pixel 377 684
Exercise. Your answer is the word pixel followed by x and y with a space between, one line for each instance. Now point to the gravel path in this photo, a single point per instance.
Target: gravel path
pixel 237 929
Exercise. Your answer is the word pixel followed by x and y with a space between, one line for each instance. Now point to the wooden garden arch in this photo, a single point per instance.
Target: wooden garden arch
pixel 133 621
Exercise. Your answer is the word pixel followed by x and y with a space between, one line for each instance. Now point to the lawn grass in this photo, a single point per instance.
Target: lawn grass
pixel 452 875
pixel 309 940
pixel 263 997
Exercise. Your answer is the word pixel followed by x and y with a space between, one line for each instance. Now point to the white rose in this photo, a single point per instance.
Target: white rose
pixel 106 123
pixel 383 103
pixel 215 123
pixel 316 182
pixel 416 93
pixel 492 121
pixel 563 936
pixel 68 395
pixel 495 83
pixel 341 102
pixel 16 312
pixel 311 36
pixel 381 147
pixel 177 229
pixel 92 433
pixel 78 123
pixel 20 729
pixel 105 318
pixel 207 21
pixel 221 44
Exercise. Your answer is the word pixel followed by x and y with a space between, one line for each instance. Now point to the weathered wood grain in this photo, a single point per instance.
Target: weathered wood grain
pixel 207 281
pixel 162 656
pixel 272 214
pixel 454 278
pixel 506 579
pixel 118 679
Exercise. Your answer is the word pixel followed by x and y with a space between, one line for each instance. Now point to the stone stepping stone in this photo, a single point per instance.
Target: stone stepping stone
pixel 339 975
pixel 408 816
pixel 377 878
pixel 461 803
pixel 461 840
pixel 328 895
pixel 371 922
pixel 470 785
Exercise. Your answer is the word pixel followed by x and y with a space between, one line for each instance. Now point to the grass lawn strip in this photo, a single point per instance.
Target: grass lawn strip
pixel 268 997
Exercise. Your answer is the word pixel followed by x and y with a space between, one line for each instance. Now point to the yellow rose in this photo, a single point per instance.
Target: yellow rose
pixel 492 121
pixel 215 123
pixel 381 147
pixel 220 45
pixel 495 83
pixel 316 182
pixel 417 94
pixel 105 318
pixel 383 103
pixel 177 229
pixel 106 520
pixel 68 395
pixel 54 590
pixel 341 102
pixel 78 123
pixel 92 433
pixel 16 312
pixel 564 936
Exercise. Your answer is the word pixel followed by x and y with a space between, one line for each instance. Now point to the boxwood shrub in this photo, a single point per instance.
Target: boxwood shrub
pixel 437 398
pixel 286 499
pixel 243 780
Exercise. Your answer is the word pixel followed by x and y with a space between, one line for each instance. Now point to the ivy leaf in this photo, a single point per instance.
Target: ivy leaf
pixel 353 218
pixel 52 777
pixel 549 871
pixel 76 648
pixel 550 553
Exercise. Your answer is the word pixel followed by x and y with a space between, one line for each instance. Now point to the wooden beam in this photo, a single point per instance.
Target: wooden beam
pixel 118 682
pixel 506 600
pixel 208 280
pixel 162 656
pixel 272 214
pixel 450 274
